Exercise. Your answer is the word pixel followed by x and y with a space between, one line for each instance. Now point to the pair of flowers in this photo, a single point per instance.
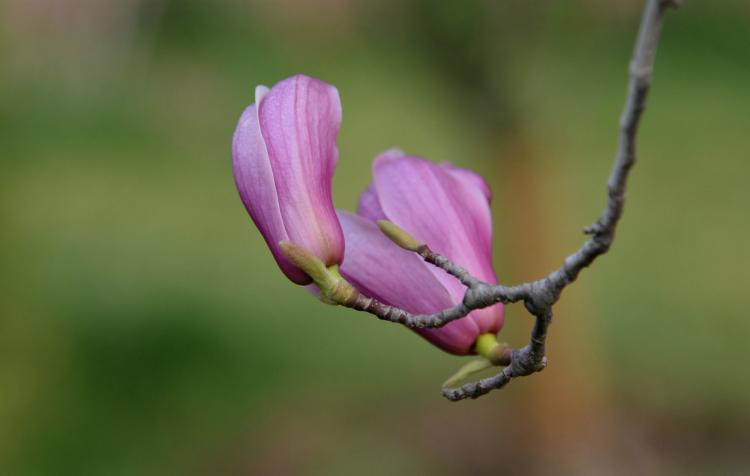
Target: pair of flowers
pixel 284 156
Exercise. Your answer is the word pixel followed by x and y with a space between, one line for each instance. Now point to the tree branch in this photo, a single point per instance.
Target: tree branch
pixel 539 296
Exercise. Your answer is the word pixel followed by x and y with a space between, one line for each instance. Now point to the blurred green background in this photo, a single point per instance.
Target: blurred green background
pixel 144 328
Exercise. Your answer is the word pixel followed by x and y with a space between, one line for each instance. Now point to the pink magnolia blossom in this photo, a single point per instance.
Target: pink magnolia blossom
pixel 440 205
pixel 283 157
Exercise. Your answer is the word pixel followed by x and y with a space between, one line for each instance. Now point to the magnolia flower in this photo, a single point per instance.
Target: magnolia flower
pixel 283 157
pixel 442 206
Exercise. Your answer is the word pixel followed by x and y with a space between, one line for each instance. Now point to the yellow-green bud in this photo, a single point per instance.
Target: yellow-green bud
pixel 399 236
pixel 333 287
pixel 469 369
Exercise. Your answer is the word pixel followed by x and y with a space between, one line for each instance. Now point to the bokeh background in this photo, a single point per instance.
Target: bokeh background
pixel 144 328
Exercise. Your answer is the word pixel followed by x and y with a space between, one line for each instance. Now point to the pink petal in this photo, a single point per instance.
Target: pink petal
pixel 299 121
pixel 369 205
pixel 471 178
pixel 254 179
pixel 448 211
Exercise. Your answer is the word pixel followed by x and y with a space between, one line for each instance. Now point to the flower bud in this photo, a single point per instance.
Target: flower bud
pixel 415 201
pixel 283 157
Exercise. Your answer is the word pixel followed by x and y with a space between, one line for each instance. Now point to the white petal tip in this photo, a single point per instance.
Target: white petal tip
pixel 260 93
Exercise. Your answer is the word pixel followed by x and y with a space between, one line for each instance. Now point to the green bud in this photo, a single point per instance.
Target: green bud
pixel 307 262
pixel 467 371
pixel 333 287
pixel 399 236
pixel 488 347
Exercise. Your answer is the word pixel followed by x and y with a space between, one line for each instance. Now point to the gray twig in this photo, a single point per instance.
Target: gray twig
pixel 539 296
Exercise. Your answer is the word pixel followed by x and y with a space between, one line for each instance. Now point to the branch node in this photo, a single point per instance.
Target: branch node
pixel 526 362
pixel 479 295
pixel 593 229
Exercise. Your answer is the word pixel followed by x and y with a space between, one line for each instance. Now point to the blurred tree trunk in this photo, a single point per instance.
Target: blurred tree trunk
pixel 565 407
